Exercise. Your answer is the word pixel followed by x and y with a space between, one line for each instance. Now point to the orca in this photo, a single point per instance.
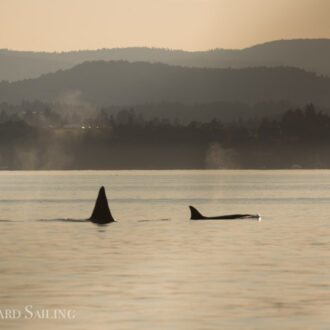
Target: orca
pixel 195 215
pixel 101 214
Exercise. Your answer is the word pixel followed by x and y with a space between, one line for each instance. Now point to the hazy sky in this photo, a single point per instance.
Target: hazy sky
pixel 61 25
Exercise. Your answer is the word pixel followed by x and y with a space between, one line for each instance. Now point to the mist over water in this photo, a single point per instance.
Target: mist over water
pixel 218 157
pixel 155 268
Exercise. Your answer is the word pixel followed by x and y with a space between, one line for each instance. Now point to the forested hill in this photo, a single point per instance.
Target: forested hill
pixel 308 54
pixel 123 83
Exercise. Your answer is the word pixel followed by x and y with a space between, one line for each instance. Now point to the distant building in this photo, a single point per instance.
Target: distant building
pixel 72 126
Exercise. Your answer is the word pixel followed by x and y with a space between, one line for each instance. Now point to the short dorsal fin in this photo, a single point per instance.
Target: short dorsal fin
pixel 101 213
pixel 195 215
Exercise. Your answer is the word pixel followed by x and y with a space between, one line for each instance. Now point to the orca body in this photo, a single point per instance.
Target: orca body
pixel 101 213
pixel 195 215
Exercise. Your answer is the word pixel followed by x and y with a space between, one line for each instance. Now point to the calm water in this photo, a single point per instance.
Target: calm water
pixel 155 269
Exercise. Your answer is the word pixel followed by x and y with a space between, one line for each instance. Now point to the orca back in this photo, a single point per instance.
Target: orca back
pixel 196 215
pixel 101 213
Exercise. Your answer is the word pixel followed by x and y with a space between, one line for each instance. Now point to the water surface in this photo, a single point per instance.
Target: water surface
pixel 156 269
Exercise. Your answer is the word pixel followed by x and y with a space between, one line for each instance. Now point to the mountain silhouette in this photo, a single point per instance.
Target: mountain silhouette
pixel 123 83
pixel 307 54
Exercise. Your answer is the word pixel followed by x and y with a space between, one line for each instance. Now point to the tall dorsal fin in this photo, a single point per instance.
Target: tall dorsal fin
pixel 195 215
pixel 101 213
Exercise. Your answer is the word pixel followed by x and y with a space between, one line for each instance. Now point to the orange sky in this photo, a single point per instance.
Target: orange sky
pixel 61 25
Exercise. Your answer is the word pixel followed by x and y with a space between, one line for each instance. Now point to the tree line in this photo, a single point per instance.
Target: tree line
pixel 299 138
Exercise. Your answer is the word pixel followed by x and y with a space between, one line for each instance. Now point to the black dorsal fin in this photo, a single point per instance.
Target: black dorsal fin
pixel 195 215
pixel 101 213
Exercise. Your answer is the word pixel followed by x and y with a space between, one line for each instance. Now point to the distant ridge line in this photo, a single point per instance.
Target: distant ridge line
pixel 307 54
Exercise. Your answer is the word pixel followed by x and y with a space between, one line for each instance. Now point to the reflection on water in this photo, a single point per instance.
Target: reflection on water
pixel 155 269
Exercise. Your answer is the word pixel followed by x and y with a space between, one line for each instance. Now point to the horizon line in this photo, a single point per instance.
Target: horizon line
pixel 155 48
